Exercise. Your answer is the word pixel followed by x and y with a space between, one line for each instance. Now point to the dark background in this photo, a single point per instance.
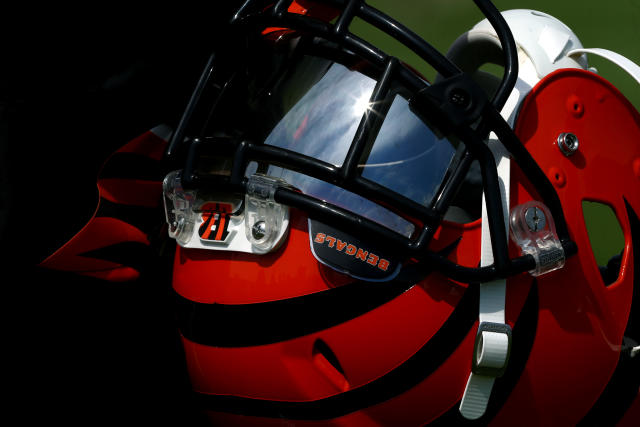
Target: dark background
pixel 75 85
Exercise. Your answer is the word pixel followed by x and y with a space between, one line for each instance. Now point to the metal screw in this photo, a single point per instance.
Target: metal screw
pixel 259 230
pixel 568 143
pixel 535 219
pixel 459 97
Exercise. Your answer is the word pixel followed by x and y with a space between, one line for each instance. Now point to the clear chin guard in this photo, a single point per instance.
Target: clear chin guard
pixel 208 220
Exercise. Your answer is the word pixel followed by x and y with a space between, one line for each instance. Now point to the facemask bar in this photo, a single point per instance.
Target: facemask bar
pixel 468 115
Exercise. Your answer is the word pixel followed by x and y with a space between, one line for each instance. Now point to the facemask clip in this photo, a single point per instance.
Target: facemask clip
pixel 178 208
pixel 266 221
pixel 533 229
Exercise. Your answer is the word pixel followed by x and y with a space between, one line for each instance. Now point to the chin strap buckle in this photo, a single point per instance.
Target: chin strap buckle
pixel 491 356
pixel 492 349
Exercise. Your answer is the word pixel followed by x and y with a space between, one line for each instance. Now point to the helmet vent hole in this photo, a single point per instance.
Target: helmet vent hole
pixel 606 238
pixel 321 348
pixel 327 363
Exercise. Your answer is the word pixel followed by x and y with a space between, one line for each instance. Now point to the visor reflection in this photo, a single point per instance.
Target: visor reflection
pixel 324 121
pixel 342 198
pixel 407 157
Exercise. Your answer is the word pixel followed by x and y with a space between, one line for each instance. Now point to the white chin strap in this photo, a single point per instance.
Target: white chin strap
pixel 493 340
pixel 626 64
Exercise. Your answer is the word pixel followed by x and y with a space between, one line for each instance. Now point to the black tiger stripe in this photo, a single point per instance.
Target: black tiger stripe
pixel 275 321
pixel 224 219
pixel 407 375
pixel 205 226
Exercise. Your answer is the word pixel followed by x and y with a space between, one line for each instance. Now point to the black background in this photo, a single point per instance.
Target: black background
pixel 75 85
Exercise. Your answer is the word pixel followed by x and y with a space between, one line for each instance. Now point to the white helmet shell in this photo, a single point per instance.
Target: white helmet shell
pixel 542 38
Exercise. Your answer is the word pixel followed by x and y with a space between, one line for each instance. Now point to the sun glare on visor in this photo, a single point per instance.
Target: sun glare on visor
pixel 323 104
pixel 324 121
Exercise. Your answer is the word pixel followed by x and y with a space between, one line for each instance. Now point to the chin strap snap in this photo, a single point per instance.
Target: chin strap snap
pixel 493 340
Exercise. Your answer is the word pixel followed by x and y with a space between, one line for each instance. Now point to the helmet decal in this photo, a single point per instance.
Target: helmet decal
pixel 349 254
pixel 215 221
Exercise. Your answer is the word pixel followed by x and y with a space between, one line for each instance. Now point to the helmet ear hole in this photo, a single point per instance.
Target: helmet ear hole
pixel 606 238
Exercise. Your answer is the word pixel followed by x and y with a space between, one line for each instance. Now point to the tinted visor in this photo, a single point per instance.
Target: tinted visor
pixel 310 102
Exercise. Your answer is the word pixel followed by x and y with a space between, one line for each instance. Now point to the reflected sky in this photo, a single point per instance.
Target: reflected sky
pixel 342 198
pixel 406 157
pixel 323 123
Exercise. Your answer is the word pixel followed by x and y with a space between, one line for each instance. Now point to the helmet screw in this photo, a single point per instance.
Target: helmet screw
pixel 535 219
pixel 568 143
pixel 459 98
pixel 259 230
